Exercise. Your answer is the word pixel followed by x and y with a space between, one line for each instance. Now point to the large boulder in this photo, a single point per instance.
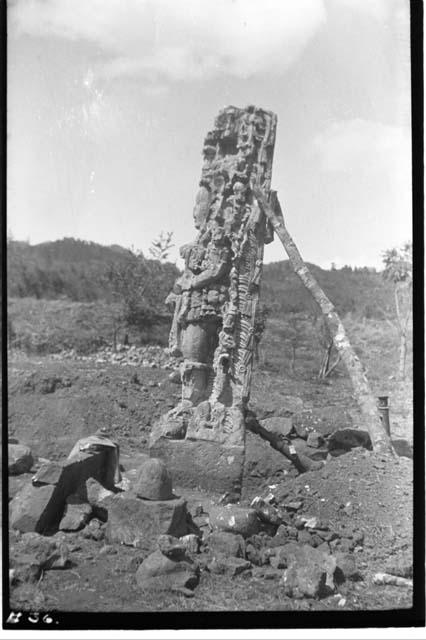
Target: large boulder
pixel 20 459
pixel 309 572
pixel 158 572
pixel 234 519
pixel 153 482
pixel 138 523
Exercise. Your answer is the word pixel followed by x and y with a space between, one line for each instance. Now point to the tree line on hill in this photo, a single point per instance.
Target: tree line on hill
pixel 84 271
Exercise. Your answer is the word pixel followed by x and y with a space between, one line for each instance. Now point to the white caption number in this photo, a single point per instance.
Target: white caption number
pixel 14 617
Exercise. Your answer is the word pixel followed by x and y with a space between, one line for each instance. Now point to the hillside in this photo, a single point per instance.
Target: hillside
pixel 80 270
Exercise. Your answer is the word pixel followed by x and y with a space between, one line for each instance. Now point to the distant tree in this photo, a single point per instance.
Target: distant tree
pixel 398 270
pixel 327 345
pixel 138 287
pixel 160 247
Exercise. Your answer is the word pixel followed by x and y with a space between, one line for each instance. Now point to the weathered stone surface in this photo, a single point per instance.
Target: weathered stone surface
pixel 171 547
pixel 191 542
pixel 261 462
pixel 281 426
pixel 154 481
pixel 227 544
pixel 206 465
pixel 228 565
pixel 94 530
pixel 17 483
pixel 214 327
pixel 403 448
pixel 266 512
pixel 76 514
pixel 346 568
pixel 346 439
pixel 34 553
pixel 304 537
pixel 138 523
pixel 33 508
pixel 401 566
pixel 309 572
pixel 315 439
pixel 158 573
pixel 234 519
pixel 39 508
pixel 20 459
pixel 313 453
pixel 48 473
pixel 97 496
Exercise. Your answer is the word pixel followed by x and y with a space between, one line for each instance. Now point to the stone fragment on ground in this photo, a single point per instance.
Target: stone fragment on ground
pixel 30 508
pixel 314 453
pixel 154 481
pixel 388 579
pixel 20 459
pixel 234 519
pixel 227 544
pixel 346 567
pixel 400 566
pixel 158 572
pixel 97 496
pixel 94 530
pixel 228 565
pixel 39 506
pixel 315 439
pixel 403 448
pixel 191 542
pixel 138 523
pixel 266 512
pixel 348 438
pixel 171 547
pixel 76 514
pixel 33 554
pixel 280 426
pixel 309 572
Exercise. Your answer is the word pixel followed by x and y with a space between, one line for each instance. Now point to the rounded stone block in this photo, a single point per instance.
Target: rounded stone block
pixel 154 481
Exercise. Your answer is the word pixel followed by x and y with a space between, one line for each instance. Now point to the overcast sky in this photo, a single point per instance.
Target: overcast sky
pixel 109 102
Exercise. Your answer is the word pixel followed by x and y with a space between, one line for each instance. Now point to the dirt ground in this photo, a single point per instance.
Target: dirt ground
pixel 53 403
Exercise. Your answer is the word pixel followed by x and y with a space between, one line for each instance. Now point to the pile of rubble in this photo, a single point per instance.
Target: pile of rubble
pixel 88 496
pixel 152 356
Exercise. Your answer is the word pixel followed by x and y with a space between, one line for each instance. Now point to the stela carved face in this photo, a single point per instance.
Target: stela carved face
pixel 201 209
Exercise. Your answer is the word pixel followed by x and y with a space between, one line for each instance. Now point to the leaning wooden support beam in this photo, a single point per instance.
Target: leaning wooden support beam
pixel 301 462
pixel 361 387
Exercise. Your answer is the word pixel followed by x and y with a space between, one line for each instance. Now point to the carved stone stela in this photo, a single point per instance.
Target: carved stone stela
pixel 215 301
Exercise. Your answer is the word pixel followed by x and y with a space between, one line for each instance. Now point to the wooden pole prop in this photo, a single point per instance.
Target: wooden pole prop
pixel 362 391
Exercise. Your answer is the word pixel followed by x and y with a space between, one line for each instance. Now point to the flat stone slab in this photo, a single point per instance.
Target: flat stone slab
pixel 138 523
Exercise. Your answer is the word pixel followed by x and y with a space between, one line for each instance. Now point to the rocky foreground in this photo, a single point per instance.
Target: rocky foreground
pixel 335 537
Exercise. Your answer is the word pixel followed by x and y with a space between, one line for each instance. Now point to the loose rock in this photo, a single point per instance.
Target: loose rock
pixel 234 519
pixel 20 459
pixel 227 544
pixel 154 482
pixel 157 572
